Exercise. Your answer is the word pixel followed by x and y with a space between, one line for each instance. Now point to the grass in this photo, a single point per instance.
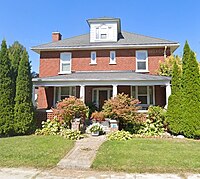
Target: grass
pixel 33 151
pixel 149 155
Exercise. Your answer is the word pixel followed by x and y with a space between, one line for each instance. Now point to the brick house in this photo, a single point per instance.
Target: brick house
pixel 102 63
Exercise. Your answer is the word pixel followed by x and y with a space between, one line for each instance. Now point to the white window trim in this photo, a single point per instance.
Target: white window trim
pixel 111 61
pixel 91 61
pixel 147 61
pixel 64 62
pixel 59 93
pixel 148 98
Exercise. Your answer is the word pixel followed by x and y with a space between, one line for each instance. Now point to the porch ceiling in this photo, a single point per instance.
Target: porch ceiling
pixel 102 78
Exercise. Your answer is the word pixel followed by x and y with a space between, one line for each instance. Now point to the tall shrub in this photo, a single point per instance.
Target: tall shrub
pixel 23 111
pixel 6 93
pixel 174 110
pixel 15 52
pixel 183 113
pixel 191 97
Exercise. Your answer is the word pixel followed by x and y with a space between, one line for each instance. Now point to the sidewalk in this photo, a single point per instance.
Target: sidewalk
pixel 82 154
pixel 57 173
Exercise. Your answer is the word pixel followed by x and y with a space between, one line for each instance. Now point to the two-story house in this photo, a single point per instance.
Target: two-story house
pixel 99 65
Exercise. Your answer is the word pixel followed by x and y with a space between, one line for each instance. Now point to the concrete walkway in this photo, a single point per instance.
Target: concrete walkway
pixel 82 154
pixel 57 173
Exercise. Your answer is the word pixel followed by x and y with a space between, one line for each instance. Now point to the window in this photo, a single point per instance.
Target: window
pixel 145 94
pixel 142 94
pixel 141 60
pixel 65 62
pixel 112 57
pixel 103 36
pixel 64 92
pixel 102 32
pixel 97 33
pixel 93 58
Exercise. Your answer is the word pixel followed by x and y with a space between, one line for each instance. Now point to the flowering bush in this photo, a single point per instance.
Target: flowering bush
pixel 95 127
pixel 123 109
pixel 119 135
pixel 70 108
pixel 98 116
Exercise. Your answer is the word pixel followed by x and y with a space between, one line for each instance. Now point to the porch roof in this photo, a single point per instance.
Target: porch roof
pixel 111 77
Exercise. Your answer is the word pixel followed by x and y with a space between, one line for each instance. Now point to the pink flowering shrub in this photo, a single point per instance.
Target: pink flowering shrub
pixel 70 108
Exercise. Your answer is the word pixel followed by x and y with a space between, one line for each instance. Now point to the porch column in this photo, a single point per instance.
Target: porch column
pixel 114 90
pixel 168 92
pixel 82 92
pixel 33 95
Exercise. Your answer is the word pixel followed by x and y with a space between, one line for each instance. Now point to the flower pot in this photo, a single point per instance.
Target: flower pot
pixel 95 133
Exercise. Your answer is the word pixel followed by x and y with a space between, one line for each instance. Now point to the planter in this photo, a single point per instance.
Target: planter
pixel 114 125
pixel 95 133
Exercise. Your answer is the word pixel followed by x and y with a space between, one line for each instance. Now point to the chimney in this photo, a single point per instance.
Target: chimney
pixel 56 36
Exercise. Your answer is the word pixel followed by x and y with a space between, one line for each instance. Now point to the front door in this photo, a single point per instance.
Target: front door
pixel 99 95
pixel 103 95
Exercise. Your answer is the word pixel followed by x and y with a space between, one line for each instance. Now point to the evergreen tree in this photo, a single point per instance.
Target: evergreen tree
pixel 185 64
pixel 23 111
pixel 15 54
pixel 191 97
pixel 174 109
pixel 6 93
pixel 183 113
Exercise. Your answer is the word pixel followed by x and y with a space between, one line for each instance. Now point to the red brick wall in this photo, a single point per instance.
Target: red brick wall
pixel 49 64
pixel 50 61
pixel 45 97
pixel 42 98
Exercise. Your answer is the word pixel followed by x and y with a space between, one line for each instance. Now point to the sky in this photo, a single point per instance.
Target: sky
pixel 32 22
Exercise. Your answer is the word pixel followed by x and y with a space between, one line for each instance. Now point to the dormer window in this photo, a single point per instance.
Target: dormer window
pixel 103 36
pixel 104 29
pixel 102 32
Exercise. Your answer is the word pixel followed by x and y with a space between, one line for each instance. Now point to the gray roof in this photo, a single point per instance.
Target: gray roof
pixel 105 76
pixel 126 39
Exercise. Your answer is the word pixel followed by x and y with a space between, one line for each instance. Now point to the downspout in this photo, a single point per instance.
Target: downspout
pixel 165 52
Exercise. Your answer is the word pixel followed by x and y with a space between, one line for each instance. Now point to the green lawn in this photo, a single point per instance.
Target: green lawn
pixel 149 155
pixel 33 151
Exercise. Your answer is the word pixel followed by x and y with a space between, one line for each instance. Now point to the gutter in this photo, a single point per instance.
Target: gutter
pixel 38 50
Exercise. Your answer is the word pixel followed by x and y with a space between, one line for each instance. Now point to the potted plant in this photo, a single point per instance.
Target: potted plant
pixel 95 129
pixel 98 116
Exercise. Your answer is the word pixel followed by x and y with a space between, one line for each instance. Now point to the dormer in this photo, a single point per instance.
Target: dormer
pixel 104 29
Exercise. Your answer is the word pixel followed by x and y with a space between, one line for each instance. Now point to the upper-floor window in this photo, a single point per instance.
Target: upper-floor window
pixel 93 58
pixel 141 60
pixel 65 62
pixel 112 57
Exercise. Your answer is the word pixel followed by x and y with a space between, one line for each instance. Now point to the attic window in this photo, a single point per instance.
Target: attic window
pixel 103 36
pixel 102 32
